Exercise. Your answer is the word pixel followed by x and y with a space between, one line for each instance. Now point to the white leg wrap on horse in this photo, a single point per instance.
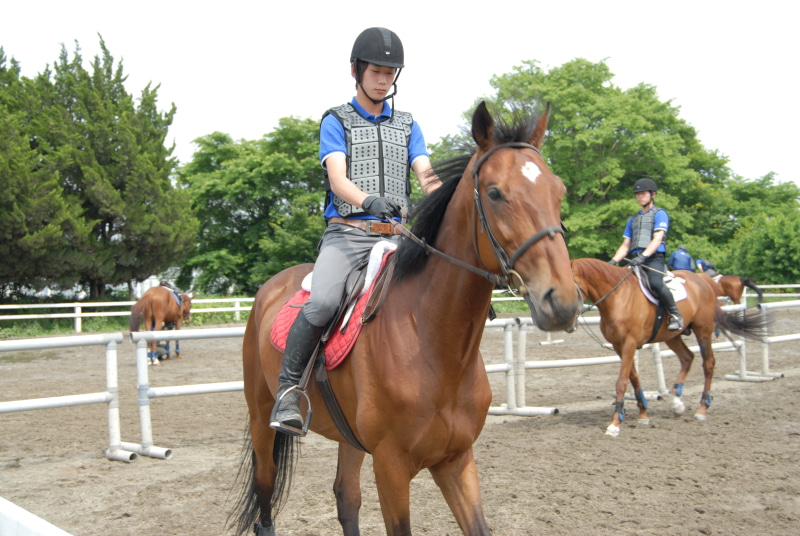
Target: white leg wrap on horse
pixel 700 418
pixel 643 422
pixel 612 430
pixel 678 407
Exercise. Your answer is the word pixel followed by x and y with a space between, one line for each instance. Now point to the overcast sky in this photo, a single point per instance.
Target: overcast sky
pixel 239 66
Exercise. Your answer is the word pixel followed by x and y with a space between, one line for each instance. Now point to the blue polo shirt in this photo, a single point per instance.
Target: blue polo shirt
pixel 332 140
pixel 661 224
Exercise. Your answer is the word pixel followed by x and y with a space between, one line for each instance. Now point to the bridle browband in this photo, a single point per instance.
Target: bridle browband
pixel 510 276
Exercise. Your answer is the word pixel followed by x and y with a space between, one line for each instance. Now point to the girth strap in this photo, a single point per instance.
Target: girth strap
pixel 334 409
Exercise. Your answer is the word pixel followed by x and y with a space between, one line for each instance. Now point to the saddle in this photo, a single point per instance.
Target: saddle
pixel 676 287
pixel 364 293
pixel 177 295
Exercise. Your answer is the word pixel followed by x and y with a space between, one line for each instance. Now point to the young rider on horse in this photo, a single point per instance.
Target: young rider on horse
pixel 645 238
pixel 367 150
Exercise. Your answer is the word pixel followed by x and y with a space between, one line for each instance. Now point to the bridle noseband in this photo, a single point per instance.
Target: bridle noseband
pixel 511 277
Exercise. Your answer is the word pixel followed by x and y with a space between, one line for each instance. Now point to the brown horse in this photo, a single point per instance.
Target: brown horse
pixel 156 308
pixel 414 389
pixel 732 286
pixel 627 319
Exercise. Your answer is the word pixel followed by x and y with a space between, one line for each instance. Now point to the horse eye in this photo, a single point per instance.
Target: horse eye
pixel 495 194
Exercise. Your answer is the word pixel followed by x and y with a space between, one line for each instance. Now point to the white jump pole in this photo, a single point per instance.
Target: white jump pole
pixel 146 447
pixel 141 338
pixel 519 365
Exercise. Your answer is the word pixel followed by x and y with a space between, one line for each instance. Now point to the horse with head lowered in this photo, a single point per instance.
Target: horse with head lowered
pixel 158 308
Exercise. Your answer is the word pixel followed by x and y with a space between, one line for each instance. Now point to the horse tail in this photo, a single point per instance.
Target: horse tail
pixel 137 315
pixel 750 324
pixel 749 284
pixel 247 511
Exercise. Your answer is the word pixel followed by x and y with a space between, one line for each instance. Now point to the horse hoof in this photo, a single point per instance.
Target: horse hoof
pixel 643 422
pixel 612 430
pixel 700 418
pixel 678 407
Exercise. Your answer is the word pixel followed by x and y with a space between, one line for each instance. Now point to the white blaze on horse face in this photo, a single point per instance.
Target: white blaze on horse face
pixel 531 171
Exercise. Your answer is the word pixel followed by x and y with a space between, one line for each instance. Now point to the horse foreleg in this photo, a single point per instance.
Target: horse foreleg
pixel 458 479
pixel 347 488
pixel 393 476
pixel 626 356
pixel 685 356
pixel 709 362
pixel 641 401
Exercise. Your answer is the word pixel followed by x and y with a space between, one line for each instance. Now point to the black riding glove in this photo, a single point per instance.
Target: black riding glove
pixel 612 262
pixel 381 207
pixel 637 260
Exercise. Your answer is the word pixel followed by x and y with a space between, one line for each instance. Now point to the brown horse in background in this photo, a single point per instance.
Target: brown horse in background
pixel 414 389
pixel 627 319
pixel 732 286
pixel 156 308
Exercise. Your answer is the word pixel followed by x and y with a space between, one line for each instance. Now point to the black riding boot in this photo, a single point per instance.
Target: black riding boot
pixel 675 321
pixel 300 344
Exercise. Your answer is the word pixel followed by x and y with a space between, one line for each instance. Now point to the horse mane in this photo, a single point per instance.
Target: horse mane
pixel 428 214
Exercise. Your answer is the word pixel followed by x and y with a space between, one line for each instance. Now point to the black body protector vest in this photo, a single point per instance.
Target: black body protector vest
pixel 642 229
pixel 377 157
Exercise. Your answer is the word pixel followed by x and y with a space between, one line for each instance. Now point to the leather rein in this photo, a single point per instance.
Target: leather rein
pixel 510 276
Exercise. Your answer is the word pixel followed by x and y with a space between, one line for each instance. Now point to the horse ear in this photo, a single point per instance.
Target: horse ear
pixel 541 128
pixel 482 126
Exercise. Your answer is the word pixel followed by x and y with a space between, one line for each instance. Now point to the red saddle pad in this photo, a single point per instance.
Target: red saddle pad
pixel 341 341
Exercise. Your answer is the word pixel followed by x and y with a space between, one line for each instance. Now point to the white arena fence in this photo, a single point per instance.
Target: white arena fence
pixel 109 397
pixel 514 366
pixel 239 306
pixel 242 305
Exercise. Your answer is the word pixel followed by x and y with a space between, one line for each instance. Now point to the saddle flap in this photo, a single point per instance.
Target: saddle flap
pixel 674 283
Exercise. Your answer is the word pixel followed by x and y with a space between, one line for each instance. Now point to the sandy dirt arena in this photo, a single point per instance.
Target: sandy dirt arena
pixel 737 474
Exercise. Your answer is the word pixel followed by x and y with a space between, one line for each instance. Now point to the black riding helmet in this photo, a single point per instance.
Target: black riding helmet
pixel 378 46
pixel 645 185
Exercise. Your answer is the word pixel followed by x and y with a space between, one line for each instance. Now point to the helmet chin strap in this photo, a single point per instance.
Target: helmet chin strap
pixel 387 97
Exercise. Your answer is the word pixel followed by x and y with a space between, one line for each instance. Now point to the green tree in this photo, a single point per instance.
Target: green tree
pixel 108 155
pixel 602 139
pixel 39 225
pixel 767 247
pixel 260 204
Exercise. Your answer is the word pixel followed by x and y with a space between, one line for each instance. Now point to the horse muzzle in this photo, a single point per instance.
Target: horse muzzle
pixel 550 313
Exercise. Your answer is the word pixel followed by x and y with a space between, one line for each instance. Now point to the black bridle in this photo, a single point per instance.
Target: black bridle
pixel 507 263
pixel 510 276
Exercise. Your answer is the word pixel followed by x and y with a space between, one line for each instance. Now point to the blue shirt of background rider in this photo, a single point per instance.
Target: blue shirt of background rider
pixel 331 140
pixel 661 224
